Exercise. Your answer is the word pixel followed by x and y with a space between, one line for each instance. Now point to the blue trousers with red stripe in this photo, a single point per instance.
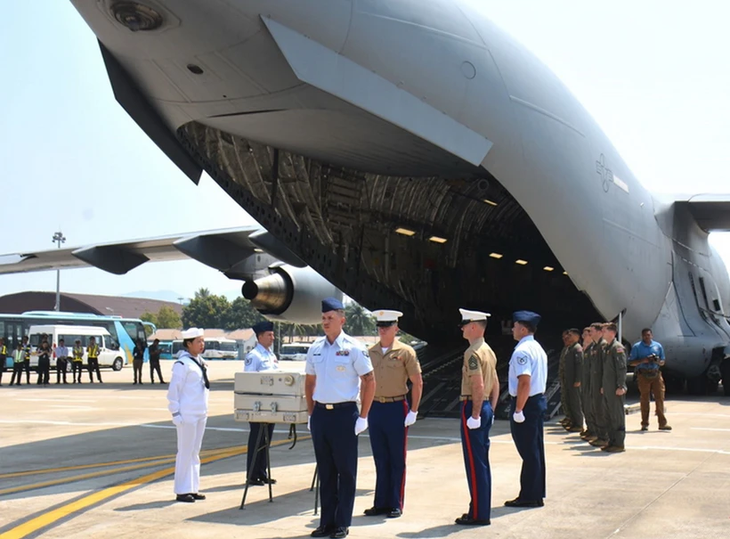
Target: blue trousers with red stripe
pixel 388 439
pixel 475 443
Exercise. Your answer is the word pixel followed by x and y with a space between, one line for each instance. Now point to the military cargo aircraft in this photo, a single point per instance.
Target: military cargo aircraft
pixel 418 157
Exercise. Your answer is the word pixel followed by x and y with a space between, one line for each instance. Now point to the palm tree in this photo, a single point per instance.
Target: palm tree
pixel 358 320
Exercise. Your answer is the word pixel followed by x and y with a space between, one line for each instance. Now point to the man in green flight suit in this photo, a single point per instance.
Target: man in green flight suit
pixel 614 390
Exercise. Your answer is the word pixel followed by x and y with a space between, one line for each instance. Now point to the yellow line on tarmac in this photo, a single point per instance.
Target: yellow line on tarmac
pixel 46 519
pixel 101 464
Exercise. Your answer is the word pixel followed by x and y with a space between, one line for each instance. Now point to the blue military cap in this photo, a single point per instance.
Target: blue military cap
pixel 526 316
pixel 331 304
pixel 262 327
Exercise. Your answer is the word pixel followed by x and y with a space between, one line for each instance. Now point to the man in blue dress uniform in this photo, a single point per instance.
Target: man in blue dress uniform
pixel 479 395
pixel 260 359
pixel 394 363
pixel 527 383
pixel 336 366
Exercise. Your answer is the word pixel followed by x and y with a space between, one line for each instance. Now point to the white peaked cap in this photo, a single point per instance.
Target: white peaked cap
pixel 384 315
pixel 191 333
pixel 473 316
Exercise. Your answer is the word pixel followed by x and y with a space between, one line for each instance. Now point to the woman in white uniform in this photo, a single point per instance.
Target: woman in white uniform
pixel 188 403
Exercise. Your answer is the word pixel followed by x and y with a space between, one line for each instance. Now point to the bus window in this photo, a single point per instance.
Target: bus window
pixel 229 346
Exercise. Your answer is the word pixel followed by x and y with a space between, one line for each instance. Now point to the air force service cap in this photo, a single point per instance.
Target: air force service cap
pixel 526 316
pixel 472 316
pixel 191 333
pixel 331 304
pixel 385 318
pixel 263 327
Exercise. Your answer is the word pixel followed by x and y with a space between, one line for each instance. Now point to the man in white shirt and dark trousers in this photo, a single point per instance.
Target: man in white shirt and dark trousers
pixel 527 384
pixel 61 361
pixel 187 396
pixel 260 359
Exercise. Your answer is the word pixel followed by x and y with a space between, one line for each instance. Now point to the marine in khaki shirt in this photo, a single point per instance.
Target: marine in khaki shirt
pixel 394 363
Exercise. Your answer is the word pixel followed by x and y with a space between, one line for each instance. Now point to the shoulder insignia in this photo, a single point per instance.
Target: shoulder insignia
pixel 522 360
pixel 249 360
pixel 365 352
pixel 620 348
pixel 473 363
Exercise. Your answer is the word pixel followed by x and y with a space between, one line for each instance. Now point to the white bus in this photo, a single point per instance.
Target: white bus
pixel 214 348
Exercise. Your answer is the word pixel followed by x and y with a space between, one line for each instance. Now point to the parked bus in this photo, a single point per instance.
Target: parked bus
pixel 123 331
pixel 215 348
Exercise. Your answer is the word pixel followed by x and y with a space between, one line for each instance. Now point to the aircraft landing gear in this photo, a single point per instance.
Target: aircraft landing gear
pixel 725 372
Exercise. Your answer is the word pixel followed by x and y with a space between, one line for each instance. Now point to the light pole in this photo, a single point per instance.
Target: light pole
pixel 58 238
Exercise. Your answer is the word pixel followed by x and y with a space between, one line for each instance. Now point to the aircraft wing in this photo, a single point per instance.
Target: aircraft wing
pixel 237 252
pixel 712 212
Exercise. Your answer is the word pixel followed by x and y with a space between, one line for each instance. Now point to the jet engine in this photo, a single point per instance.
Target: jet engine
pixel 290 294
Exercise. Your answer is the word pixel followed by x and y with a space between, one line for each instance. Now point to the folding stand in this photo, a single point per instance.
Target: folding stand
pixel 263 433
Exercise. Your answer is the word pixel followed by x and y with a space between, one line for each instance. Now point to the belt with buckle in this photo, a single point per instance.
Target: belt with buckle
pixel 390 399
pixel 465 398
pixel 334 405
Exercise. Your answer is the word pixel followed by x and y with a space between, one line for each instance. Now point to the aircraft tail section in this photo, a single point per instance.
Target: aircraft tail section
pixel 712 212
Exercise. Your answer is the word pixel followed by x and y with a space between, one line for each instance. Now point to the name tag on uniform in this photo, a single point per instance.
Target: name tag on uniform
pixel 317 354
pixel 342 353
pixel 341 368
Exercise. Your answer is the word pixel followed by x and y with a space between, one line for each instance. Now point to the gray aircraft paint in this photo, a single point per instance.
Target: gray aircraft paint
pixel 466 93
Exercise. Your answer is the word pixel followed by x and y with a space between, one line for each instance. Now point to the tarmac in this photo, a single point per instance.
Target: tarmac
pixel 96 460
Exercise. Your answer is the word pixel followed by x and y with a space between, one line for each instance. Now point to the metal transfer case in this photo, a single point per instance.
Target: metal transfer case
pixel 270 397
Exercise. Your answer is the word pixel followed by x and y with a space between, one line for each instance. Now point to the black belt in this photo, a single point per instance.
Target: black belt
pixel 335 405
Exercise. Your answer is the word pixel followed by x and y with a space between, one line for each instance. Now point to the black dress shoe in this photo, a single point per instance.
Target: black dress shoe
pixel 198 496
pixel 340 533
pixel 466 520
pixel 375 511
pixel 524 503
pixel 187 498
pixel 323 531
pixel 268 480
pixel 257 483
pixel 394 513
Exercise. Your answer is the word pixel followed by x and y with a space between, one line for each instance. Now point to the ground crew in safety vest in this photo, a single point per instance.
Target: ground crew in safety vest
pixel 92 351
pixel 18 364
pixel 3 356
pixel 77 362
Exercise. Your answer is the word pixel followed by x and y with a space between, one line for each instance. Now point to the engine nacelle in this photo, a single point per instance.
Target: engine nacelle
pixel 290 294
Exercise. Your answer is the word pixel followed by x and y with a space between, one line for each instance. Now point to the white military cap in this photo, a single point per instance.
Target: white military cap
pixel 384 317
pixel 191 333
pixel 472 316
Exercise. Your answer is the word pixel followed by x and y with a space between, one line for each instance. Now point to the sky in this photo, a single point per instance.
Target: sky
pixel 652 73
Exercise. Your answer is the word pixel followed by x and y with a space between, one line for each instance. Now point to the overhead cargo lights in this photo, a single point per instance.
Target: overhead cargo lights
pixel 490 202
pixel 565 273
pixel 548 268
pixel 521 262
pixel 496 255
pixel 405 232
pixel 436 239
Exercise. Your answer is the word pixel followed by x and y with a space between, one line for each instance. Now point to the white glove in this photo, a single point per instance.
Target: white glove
pixel 309 423
pixel 177 420
pixel 519 417
pixel 361 425
pixel 474 422
pixel 410 418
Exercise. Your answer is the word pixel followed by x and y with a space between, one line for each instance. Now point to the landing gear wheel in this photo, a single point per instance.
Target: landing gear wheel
pixel 118 364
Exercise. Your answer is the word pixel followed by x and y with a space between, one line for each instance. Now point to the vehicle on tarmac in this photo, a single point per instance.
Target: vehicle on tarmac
pixel 124 331
pixel 110 353
pixel 215 348
pixel 294 351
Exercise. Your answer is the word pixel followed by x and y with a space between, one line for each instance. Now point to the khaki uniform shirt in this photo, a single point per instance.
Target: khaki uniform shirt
pixel 479 359
pixel 393 369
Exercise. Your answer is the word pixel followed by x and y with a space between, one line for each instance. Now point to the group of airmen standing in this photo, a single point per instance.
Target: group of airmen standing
pixel 64 354
pixel 593 381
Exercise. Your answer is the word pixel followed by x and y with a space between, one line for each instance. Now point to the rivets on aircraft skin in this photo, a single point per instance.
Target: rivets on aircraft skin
pixel 468 69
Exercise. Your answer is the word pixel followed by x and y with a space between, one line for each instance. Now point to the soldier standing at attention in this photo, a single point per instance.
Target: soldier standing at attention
pixel 479 395
pixel 573 377
pixel 394 363
pixel 92 352
pixel 138 361
pixel 3 357
pixel 599 405
pixel 77 361
pixel 646 357
pixel 61 361
pixel 26 359
pixel 260 359
pixel 336 366
pixel 614 390
pixel 565 422
pixel 187 397
pixel 585 389
pixel 527 384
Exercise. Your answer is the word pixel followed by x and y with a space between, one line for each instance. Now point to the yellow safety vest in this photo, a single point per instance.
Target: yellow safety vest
pixel 19 356
pixel 93 351
pixel 4 350
pixel 78 353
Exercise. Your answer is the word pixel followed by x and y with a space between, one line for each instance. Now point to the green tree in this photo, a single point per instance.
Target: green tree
pixel 167 318
pixel 152 319
pixel 242 315
pixel 206 310
pixel 358 321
